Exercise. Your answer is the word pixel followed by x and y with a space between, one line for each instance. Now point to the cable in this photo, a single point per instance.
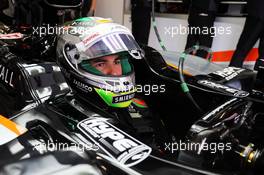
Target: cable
pixel 155 27
pixel 184 85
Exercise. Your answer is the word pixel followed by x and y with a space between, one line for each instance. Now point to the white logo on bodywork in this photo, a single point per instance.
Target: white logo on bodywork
pixel 114 142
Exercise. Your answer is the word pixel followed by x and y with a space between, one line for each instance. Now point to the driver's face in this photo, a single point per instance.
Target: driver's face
pixel 108 65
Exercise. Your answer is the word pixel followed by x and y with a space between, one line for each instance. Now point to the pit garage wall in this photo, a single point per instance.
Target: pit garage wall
pixel 111 9
pixel 223 45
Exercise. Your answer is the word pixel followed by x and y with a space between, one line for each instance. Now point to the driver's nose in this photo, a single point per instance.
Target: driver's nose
pixel 114 69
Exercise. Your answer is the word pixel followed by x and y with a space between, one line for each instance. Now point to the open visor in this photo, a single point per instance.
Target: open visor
pixel 109 45
pixel 123 61
pixel 121 44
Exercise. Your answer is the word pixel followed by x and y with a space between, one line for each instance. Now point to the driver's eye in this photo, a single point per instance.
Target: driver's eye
pixel 99 64
pixel 118 61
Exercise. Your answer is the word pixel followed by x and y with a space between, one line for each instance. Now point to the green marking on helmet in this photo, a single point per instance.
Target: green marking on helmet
pixel 84 19
pixel 88 67
pixel 126 67
pixel 108 98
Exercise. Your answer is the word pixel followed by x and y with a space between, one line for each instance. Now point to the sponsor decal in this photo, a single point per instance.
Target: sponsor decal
pixel 114 142
pixel 123 98
pixel 90 38
pixel 6 76
pixel 82 86
pixel 84 23
pixel 217 86
pixel 229 72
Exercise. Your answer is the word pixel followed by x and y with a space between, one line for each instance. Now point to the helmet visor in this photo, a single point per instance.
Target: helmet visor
pixel 110 65
pixel 109 45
